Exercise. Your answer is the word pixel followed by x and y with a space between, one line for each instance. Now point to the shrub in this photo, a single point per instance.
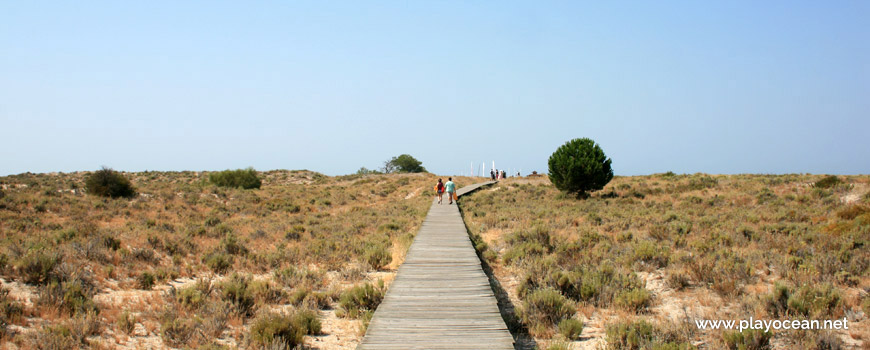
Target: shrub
pixel 559 345
pixel 295 232
pixel 829 341
pixel 215 315
pixel 580 166
pixel 190 297
pixel 545 308
pixel 637 299
pixel 145 281
pixel 53 337
pixel 828 182
pixel 235 291
pixel 177 331
pixel 630 335
pixel 143 254
pixel 10 311
pixel 306 321
pixel 265 292
pixel 291 277
pixel 599 285
pixel 37 266
pixel 852 212
pixel 73 296
pixel 83 326
pixel 126 322
pixel 815 300
pixel 109 183
pixel 571 328
pixel 377 256
pixel 360 298
pixel 678 280
pixel 111 243
pixel 231 245
pixel 752 339
pixel 648 252
pixel 218 262
pixel 776 302
pixel 239 178
pixel 273 329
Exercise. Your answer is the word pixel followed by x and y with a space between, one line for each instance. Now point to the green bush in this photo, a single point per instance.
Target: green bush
pixel 109 183
pixel 815 300
pixel 571 328
pixel 752 339
pixel 673 346
pixel 599 284
pixel 52 337
pixel 630 335
pixel 637 299
pixel 265 292
pixel 231 245
pixel 828 182
pixel 360 298
pixel 650 253
pixel 239 178
pixel 37 266
pixel 74 296
pixel 273 329
pixel 218 262
pixel 776 302
pixel 580 166
pixel 190 297
pixel 178 331
pixel 544 308
pixel 306 321
pixel 377 256
pixel 235 291
pixel 145 281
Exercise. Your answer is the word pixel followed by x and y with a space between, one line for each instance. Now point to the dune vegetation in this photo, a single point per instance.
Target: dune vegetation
pixel 195 260
pixel 636 264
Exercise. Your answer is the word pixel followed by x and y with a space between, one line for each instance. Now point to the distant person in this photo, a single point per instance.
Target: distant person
pixel 451 190
pixel 492 174
pixel 503 174
pixel 439 189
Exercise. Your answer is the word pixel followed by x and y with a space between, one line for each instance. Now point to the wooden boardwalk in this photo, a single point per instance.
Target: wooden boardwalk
pixel 441 298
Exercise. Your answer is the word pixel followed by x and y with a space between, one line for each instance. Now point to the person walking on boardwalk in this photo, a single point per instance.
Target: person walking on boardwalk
pixel 492 174
pixel 439 189
pixel 451 190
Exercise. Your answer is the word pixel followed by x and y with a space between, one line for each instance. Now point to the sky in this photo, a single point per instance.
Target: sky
pixel 685 86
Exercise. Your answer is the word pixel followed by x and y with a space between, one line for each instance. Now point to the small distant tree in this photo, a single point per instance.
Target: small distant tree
pixel 109 183
pixel 404 164
pixel 580 166
pixel 239 178
pixel 366 171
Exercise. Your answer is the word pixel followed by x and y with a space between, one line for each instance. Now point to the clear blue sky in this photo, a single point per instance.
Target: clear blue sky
pixel 685 86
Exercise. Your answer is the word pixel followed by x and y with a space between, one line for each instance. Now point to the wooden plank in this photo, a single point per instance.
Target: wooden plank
pixel 441 298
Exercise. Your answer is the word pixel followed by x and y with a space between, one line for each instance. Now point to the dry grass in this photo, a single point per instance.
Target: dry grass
pixel 154 269
pixel 668 249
